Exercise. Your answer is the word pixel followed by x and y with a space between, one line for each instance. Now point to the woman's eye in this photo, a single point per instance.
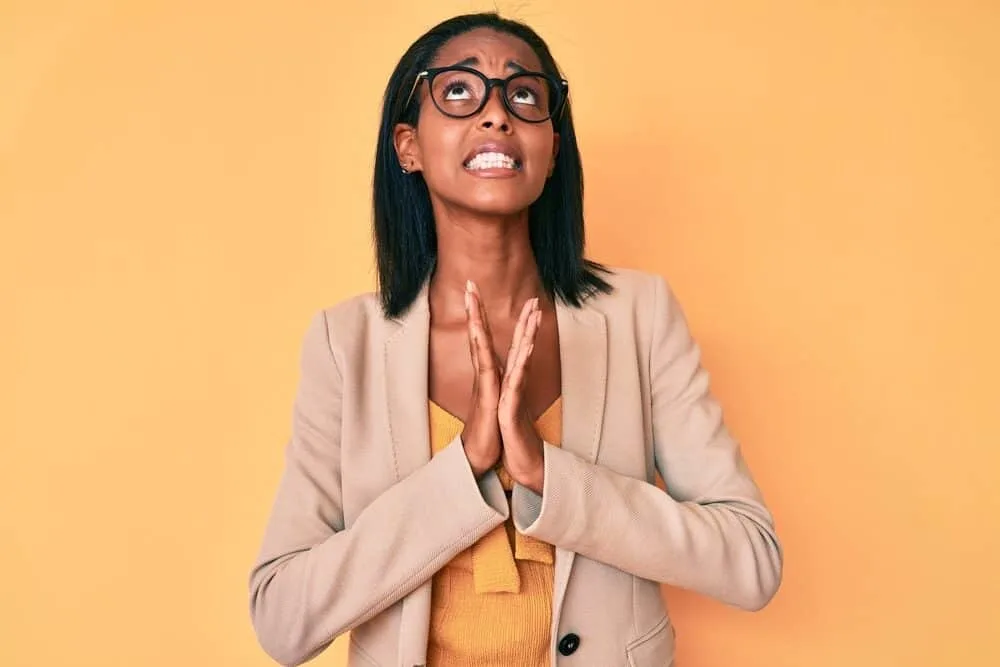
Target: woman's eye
pixel 523 96
pixel 456 91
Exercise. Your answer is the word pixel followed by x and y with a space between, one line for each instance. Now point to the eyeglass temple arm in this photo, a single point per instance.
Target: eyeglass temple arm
pixel 565 97
pixel 416 82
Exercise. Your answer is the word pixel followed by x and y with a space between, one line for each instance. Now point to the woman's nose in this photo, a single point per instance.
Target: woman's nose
pixel 494 113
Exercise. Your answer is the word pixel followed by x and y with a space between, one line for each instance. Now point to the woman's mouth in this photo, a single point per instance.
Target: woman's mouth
pixel 492 160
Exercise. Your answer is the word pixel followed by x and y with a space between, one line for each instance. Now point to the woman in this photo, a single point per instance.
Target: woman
pixel 471 474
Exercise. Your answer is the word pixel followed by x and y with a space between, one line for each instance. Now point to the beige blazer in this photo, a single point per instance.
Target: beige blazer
pixel 364 516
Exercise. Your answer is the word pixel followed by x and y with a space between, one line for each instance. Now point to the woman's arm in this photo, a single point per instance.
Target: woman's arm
pixel 313 579
pixel 710 532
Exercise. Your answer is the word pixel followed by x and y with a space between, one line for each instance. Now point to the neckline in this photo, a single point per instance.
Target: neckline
pixel 540 417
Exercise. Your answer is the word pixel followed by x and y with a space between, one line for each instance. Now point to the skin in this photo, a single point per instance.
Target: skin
pixel 494 343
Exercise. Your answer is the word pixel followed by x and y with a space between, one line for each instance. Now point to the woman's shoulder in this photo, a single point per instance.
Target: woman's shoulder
pixel 629 278
pixel 356 308
pixel 630 288
pixel 344 322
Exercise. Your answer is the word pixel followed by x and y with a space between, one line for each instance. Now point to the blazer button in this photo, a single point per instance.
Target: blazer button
pixel 569 644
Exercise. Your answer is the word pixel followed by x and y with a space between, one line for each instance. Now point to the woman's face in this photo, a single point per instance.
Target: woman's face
pixel 445 149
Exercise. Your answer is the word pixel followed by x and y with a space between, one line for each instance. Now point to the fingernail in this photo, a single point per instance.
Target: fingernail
pixel 530 348
pixel 467 302
pixel 468 285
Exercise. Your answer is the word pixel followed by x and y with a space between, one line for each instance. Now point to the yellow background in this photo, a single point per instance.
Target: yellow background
pixel 182 184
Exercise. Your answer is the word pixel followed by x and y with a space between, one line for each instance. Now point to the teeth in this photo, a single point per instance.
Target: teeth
pixel 491 161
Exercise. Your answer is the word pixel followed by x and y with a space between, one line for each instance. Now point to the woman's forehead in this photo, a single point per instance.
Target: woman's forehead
pixel 487 49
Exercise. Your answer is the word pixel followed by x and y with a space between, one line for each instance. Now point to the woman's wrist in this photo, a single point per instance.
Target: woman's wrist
pixel 479 468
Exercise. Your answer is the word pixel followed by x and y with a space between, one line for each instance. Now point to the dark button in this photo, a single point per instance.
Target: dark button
pixel 569 644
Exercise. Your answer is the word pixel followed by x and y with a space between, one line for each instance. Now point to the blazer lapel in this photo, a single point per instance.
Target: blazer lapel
pixel 406 350
pixel 405 378
pixel 583 355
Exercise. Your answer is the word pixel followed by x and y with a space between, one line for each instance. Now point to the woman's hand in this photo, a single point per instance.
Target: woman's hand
pixel 481 435
pixel 523 451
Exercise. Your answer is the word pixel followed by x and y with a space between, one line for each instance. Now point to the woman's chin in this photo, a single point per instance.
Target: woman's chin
pixel 496 207
pixel 494 199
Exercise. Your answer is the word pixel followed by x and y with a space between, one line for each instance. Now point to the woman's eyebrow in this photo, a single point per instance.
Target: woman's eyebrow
pixel 473 61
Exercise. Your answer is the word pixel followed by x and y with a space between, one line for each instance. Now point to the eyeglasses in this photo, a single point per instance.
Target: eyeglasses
pixel 461 92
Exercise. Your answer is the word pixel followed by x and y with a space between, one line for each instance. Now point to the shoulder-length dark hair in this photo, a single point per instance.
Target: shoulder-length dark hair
pixel 405 237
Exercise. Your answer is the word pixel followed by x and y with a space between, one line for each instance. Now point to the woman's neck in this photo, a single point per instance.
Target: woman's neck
pixel 495 254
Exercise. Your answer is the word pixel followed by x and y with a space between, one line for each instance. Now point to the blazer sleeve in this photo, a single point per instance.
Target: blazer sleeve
pixel 710 532
pixel 314 578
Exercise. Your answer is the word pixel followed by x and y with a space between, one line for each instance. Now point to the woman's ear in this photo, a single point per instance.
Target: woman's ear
pixel 407 149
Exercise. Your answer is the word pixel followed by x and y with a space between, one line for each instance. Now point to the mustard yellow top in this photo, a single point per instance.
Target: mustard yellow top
pixel 492 604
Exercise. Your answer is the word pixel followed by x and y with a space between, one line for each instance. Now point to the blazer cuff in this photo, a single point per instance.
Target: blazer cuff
pixel 488 488
pixel 534 514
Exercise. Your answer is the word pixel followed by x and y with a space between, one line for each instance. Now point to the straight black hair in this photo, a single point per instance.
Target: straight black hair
pixel 405 237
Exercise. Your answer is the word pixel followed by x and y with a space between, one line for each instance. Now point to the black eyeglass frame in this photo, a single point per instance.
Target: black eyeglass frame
pixel 560 87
